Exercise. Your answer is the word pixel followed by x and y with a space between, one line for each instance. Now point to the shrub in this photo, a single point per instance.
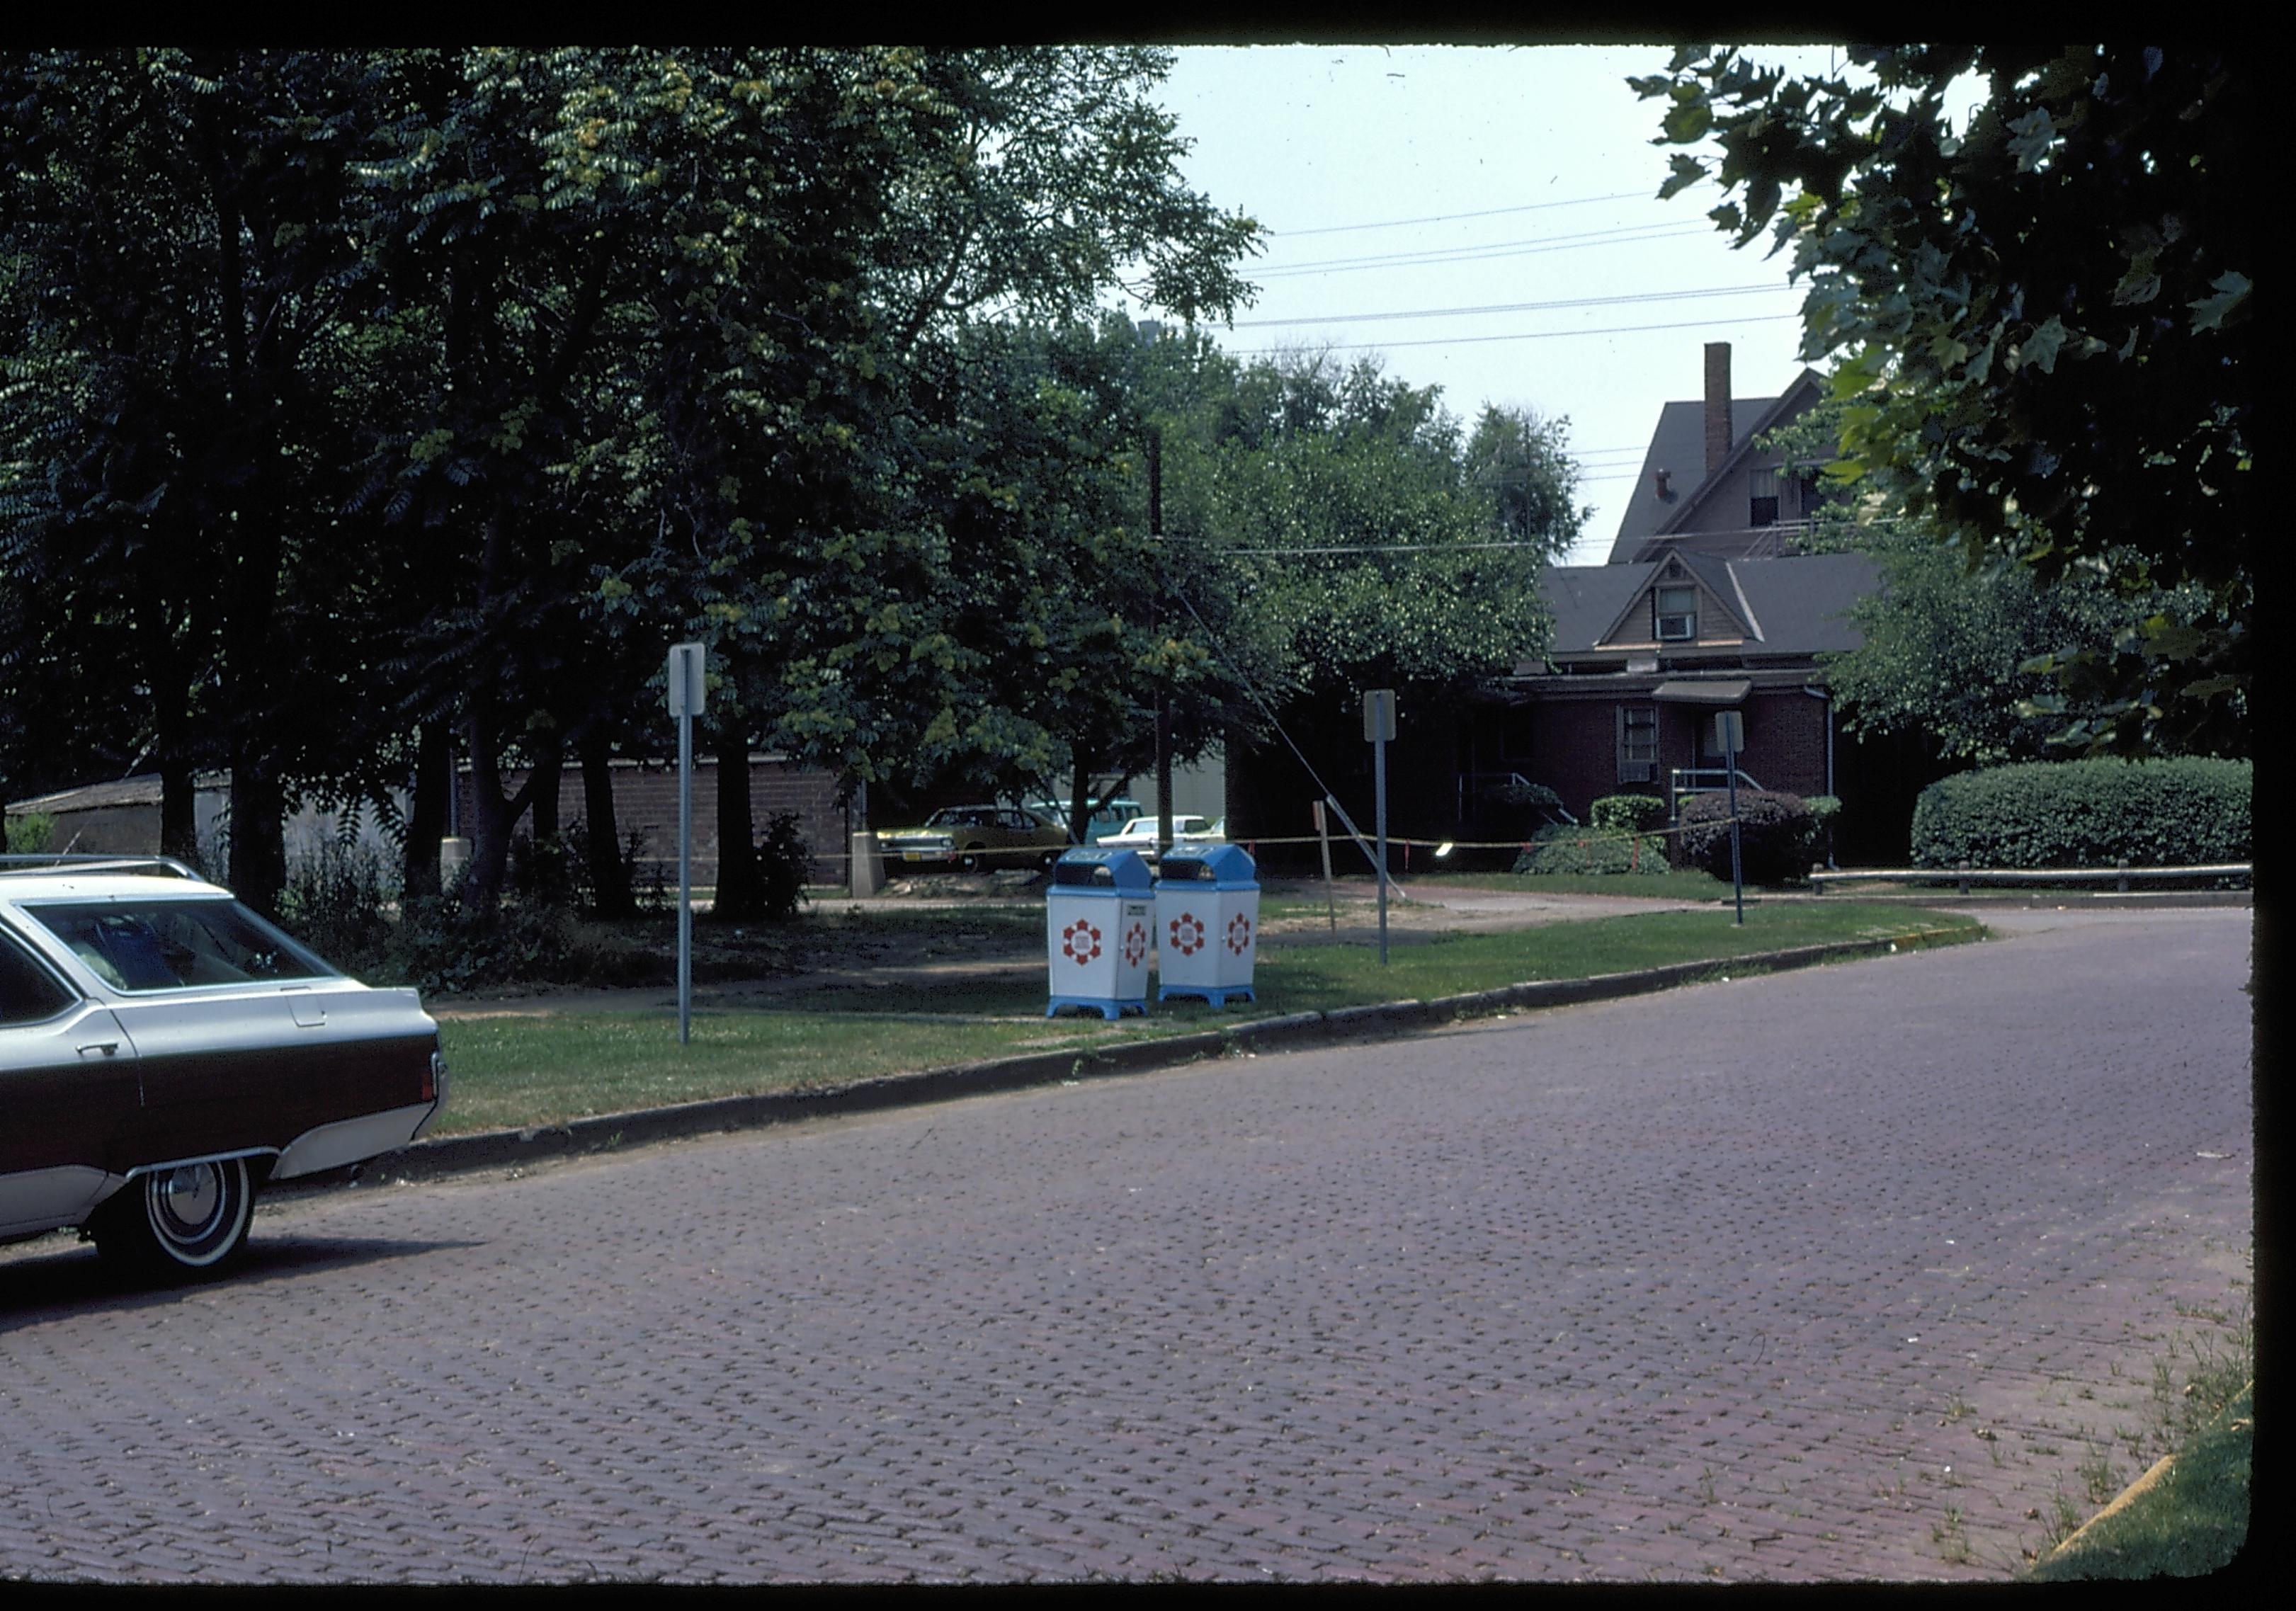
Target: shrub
pixel 1823 809
pixel 2170 812
pixel 783 859
pixel 1774 834
pixel 1559 848
pixel 334 902
pixel 27 833
pixel 1626 813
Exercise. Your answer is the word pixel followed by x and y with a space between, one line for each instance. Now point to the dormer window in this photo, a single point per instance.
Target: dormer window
pixel 1762 497
pixel 1676 609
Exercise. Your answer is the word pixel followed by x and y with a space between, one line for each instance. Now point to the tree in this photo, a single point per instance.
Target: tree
pixel 176 247
pixel 2043 321
pixel 1947 649
pixel 1369 540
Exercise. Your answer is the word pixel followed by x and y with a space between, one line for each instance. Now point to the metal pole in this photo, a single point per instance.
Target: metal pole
pixel 1331 893
pixel 1163 695
pixel 1379 792
pixel 1737 883
pixel 684 877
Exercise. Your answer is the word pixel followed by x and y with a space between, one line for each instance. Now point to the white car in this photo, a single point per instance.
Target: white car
pixel 165 1053
pixel 1140 834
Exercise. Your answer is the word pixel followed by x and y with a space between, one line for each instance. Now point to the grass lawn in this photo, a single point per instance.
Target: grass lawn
pixel 2191 1522
pixel 515 1071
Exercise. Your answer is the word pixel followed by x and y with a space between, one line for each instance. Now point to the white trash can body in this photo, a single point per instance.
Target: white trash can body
pixel 1099 914
pixel 1206 923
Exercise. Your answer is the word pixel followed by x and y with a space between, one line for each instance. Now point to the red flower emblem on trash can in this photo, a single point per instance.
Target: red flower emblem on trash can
pixel 1239 933
pixel 1187 934
pixel 1081 941
pixel 1136 944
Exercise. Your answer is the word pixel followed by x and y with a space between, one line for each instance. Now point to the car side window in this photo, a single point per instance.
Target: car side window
pixel 29 993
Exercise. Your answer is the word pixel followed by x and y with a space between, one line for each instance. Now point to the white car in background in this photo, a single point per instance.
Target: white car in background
pixel 1140 834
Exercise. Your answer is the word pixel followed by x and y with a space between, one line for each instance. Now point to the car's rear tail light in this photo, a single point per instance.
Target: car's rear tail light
pixel 433 1074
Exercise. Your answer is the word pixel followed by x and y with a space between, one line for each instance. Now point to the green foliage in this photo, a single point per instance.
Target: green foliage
pixel 28 833
pixel 463 381
pixel 2172 811
pixel 335 901
pixel 1823 808
pixel 1964 654
pixel 1775 833
pixel 1560 849
pixel 1627 813
pixel 784 859
pixel 2043 323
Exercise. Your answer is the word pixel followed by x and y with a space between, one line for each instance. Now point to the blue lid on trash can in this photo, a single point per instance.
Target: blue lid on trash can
pixel 1222 866
pixel 1109 870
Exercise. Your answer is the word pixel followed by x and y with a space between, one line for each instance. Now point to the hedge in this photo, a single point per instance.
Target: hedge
pixel 2184 811
pixel 1627 813
pixel 1776 832
pixel 1557 849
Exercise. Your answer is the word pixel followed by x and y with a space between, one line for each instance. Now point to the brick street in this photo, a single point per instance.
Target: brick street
pixel 1832 1274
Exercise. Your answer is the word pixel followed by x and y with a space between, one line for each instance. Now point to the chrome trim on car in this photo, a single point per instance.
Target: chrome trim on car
pixel 353 1140
pixel 204 1158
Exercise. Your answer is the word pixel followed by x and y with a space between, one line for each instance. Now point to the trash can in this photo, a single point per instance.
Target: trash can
pixel 1098 915
pixel 1206 923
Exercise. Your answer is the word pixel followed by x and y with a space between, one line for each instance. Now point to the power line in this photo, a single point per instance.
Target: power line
pixel 1369 548
pixel 1522 308
pixel 1493 212
pixel 1437 256
pixel 1535 335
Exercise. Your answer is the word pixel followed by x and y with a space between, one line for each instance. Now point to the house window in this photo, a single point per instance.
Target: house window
pixel 1762 487
pixel 1637 743
pixel 1676 613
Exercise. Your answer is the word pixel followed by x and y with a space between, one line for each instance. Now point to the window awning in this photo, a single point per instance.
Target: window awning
pixel 1704 691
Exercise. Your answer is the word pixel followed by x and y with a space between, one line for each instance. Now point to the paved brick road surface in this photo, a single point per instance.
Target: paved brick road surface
pixel 1730 1283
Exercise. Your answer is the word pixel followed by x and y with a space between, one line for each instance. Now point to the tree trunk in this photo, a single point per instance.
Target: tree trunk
pixel 493 815
pixel 549 763
pixel 741 882
pixel 259 850
pixel 426 821
pixel 609 883
pixel 179 822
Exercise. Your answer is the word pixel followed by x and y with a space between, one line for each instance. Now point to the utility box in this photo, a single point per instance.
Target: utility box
pixel 1099 914
pixel 1206 923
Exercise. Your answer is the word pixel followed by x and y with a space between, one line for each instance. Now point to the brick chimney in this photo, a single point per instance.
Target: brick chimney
pixel 1717 405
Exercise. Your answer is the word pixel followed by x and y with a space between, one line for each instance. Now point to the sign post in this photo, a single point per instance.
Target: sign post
pixel 1379 728
pixel 1730 738
pixel 687 661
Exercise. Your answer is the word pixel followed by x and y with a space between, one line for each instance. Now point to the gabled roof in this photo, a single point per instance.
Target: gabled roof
pixel 1711 572
pixel 1679 445
pixel 1792 605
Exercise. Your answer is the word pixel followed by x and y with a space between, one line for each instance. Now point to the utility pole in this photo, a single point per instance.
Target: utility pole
pixel 1155 602
pixel 687 663
pixel 1379 730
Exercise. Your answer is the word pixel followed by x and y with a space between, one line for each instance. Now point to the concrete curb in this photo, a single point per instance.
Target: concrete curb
pixel 1385 1020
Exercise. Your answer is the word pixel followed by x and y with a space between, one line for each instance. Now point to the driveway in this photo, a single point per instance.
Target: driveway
pixel 1835 1274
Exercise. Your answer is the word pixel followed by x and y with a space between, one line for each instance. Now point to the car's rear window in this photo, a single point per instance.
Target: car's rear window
pixel 168 945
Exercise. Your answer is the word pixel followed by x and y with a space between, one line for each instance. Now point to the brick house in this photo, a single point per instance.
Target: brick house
pixel 1704 606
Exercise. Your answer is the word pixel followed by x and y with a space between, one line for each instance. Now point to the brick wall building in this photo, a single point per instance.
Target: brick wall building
pixel 645 800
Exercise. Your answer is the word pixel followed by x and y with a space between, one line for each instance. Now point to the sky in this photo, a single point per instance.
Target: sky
pixel 1400 183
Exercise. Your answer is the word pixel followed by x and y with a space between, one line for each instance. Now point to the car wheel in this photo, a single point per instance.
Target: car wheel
pixel 972 861
pixel 186 1221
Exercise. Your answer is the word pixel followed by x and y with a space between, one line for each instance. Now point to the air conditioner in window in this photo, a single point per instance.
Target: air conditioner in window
pixel 1635 771
pixel 1676 629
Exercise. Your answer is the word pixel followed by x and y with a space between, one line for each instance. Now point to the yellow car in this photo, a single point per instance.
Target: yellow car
pixel 975 838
